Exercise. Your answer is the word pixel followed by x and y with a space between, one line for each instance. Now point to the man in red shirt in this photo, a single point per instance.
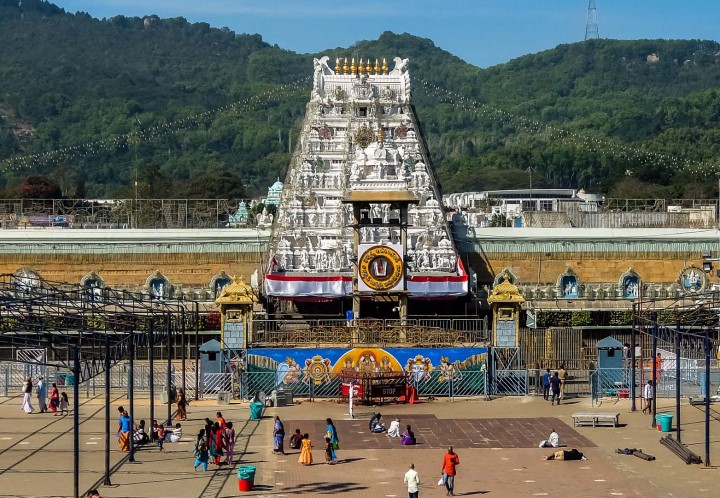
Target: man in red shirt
pixel 450 461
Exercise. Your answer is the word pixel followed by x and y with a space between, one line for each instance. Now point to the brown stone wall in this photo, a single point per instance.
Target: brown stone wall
pixel 133 269
pixel 538 268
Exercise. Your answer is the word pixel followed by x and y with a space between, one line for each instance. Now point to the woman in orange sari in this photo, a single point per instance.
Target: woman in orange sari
pixel 182 406
pixel 306 451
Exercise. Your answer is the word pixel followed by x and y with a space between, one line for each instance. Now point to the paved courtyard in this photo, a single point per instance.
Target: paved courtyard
pixel 496 442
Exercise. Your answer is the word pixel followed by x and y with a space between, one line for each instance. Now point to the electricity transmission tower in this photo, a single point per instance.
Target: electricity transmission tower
pixel 591 26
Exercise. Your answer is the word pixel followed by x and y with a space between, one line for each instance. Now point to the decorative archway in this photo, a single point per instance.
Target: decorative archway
pixel 630 284
pixel 158 286
pixel 505 274
pixel 692 279
pixel 26 278
pixel 568 284
pixel 92 280
pixel 218 282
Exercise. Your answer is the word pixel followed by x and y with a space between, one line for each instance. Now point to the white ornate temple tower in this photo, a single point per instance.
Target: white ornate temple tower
pixel 360 136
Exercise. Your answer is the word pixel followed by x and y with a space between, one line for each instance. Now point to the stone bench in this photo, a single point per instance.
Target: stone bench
pixel 595 419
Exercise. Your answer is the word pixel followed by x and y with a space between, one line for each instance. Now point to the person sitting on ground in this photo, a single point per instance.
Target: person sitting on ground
pixel 553 440
pixel 296 440
pixel 153 434
pixel 408 437
pixel 139 434
pixel 174 435
pixel 375 424
pixel 573 454
pixel 394 430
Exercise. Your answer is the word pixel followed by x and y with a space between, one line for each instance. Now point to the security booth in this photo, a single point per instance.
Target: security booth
pixel 211 360
pixel 610 373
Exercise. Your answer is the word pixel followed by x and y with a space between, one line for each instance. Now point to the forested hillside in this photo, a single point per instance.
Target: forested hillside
pixel 187 110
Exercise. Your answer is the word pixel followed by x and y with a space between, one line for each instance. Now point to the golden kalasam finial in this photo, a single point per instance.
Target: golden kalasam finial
pixel 369 67
pixel 380 135
pixel 346 68
pixel 353 67
pixel 337 65
pixel 361 67
pixel 377 67
pixel 385 68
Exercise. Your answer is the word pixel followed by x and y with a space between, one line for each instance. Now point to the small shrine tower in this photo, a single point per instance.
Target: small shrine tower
pixel 236 312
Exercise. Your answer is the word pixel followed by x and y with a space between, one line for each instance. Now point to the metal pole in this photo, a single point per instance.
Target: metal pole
pixel 182 331
pixel 197 351
pixel 655 367
pixel 677 382
pixel 707 397
pixel 151 374
pixel 131 394
pixel 76 421
pixel 631 357
pixel 168 329
pixel 106 481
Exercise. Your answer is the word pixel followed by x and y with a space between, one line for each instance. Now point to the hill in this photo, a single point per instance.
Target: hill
pixel 187 110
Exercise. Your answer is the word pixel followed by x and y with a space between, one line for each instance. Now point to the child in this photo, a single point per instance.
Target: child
pixel 174 436
pixel 153 435
pixel 296 440
pixel 160 437
pixel 229 443
pixel 329 451
pixel 202 456
pixel 64 403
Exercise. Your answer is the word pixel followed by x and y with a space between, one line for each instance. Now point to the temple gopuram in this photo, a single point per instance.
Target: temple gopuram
pixel 360 224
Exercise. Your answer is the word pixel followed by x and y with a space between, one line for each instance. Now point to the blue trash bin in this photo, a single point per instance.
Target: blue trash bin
pixel 664 422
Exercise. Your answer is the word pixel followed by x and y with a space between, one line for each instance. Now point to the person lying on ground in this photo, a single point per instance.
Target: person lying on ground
pixel 572 454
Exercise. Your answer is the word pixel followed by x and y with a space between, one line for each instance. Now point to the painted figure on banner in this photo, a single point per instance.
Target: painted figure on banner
pixel 418 368
pixel 448 371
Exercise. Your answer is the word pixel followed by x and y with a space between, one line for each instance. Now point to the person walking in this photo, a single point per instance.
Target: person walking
pixel 450 461
pixel 306 450
pixel 181 406
pixel 649 395
pixel 331 433
pixel 55 399
pixel 124 426
pixel 27 396
pixel 229 443
pixel 546 384
pixel 41 394
pixel 201 456
pixel 562 373
pixel 64 403
pixel 555 387
pixel 278 436
pixel 412 479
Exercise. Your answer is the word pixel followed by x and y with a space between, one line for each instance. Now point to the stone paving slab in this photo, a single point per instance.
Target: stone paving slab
pixel 432 432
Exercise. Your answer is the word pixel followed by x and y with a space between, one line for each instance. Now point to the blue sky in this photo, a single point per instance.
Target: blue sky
pixel 482 32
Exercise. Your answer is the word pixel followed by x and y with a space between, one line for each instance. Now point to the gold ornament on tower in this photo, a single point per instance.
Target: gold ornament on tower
pixel 377 67
pixel 361 68
pixel 364 137
pixel 353 67
pixel 385 67
pixel 380 135
pixel 369 67
pixel 346 68
pixel 338 68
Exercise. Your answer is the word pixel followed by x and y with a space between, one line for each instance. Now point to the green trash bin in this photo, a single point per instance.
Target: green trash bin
pixel 247 473
pixel 664 422
pixel 256 410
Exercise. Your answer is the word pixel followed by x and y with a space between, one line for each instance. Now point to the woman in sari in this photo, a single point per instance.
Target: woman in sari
pixel 216 443
pixel 54 399
pixel 306 451
pixel 332 435
pixel 182 406
pixel 278 436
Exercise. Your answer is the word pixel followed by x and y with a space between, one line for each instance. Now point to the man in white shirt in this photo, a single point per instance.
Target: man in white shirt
pixel 175 435
pixel 553 441
pixel 412 479
pixel 649 394
pixel 394 430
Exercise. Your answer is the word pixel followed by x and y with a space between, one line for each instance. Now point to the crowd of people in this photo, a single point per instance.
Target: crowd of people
pixel 377 426
pixel 57 400
pixel 215 441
